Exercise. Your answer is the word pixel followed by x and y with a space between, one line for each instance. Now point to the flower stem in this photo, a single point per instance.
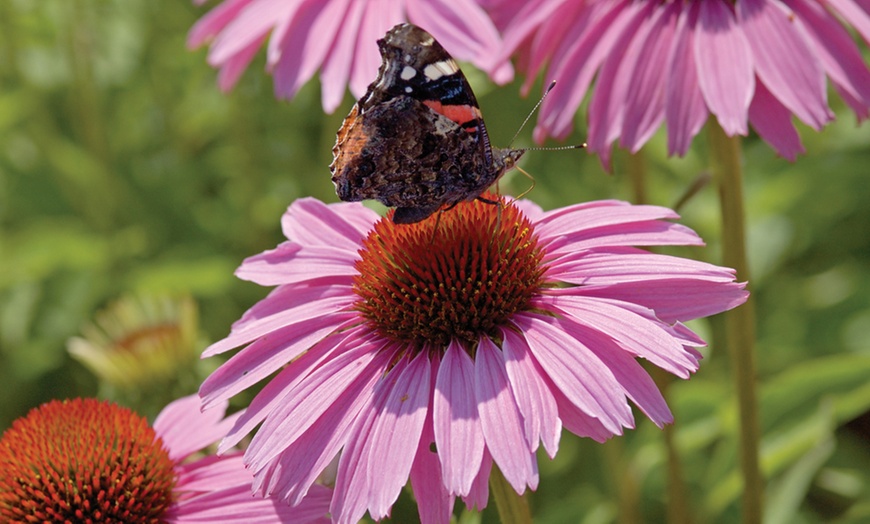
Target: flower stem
pixel 512 508
pixel 739 322
pixel 636 167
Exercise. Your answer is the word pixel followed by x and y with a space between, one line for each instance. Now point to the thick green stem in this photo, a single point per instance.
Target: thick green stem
pixel 739 322
pixel 512 508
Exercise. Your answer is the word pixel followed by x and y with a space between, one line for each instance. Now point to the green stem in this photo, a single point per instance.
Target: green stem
pixel 739 322
pixel 512 508
pixel 636 167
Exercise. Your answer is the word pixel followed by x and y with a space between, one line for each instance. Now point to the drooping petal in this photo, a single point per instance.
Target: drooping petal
pixel 685 111
pixel 723 59
pixel 313 397
pixel 285 306
pixel 634 381
pixel 634 334
pixel 185 428
pixel 335 72
pixel 776 42
pixel 434 503
pixel 534 399
pixel 464 28
pixel 644 99
pixel 576 371
pixel 310 222
pixel 838 53
pixel 458 433
pixel 772 121
pixel 396 433
pixel 607 107
pixel 501 419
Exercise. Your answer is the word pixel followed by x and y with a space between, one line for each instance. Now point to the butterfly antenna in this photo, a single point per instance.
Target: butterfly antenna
pixel 532 112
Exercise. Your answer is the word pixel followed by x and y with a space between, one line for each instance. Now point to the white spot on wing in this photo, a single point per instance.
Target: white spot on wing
pixel 408 73
pixel 439 69
pixel 408 89
pixel 408 59
pixel 428 41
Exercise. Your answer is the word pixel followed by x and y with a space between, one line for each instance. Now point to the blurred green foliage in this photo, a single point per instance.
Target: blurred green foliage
pixel 124 170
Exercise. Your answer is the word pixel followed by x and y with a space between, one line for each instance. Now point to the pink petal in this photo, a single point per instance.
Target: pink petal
pixel 232 68
pixel 576 371
pixel 396 433
pixel 250 24
pixel 775 41
pixel 723 59
pixel 186 429
pixel 458 433
pixel 288 264
pixel 434 503
pixel 236 504
pixel 313 397
pixel 578 422
pixel 284 307
pixel 534 399
pixel 772 121
pixel 379 17
pixel 645 74
pixel 576 70
pixel 297 54
pixel 291 473
pixel 633 333
pixel 579 227
pixel 214 21
pixel 674 299
pixel 335 72
pixel 352 484
pixel 634 381
pixel 479 495
pixel 273 393
pixel 213 472
pixel 264 357
pixel 501 420
pixel 310 222
pixel 607 107
pixel 857 14
pixel 466 31
pixel 685 111
pixel 838 53
pixel 623 265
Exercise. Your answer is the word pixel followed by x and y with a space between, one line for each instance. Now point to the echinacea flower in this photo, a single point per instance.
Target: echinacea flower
pixel 338 37
pixel 86 460
pixel 432 350
pixel 757 62
pixel 143 347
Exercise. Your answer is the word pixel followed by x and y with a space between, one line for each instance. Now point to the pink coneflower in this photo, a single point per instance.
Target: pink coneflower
pixel 478 333
pixel 338 37
pixel 85 460
pixel 756 62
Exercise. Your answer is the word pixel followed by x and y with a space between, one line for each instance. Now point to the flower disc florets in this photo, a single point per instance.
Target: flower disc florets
pixel 86 461
pixel 458 275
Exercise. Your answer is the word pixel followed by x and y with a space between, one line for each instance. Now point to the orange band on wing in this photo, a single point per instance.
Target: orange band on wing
pixel 458 113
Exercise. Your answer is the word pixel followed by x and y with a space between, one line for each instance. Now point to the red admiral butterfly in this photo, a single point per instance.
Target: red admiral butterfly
pixel 416 140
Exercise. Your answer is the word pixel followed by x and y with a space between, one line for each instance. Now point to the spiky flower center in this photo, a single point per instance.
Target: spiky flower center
pixel 86 461
pixel 457 275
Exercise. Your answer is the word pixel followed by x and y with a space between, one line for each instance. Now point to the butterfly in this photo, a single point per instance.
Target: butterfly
pixel 416 140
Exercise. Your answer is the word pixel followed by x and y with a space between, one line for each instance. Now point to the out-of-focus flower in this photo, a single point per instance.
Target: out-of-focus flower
pixel 144 350
pixel 431 350
pixel 756 62
pixel 338 37
pixel 85 460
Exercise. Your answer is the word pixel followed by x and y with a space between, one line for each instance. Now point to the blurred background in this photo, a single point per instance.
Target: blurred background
pixel 131 188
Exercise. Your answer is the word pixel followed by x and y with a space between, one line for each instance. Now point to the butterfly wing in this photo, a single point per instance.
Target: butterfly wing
pixel 416 140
